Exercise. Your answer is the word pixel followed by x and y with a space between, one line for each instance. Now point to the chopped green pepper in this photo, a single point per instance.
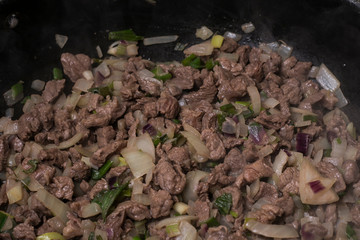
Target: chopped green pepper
pixel 128 35
pixel 106 198
pixel 350 233
pixel 228 108
pixel 160 74
pixel 17 89
pixel 98 174
pixel 327 152
pixel 312 118
pixel 223 203
pixel 25 99
pixel 210 64
pixel 160 138
pixel 173 230
pixel 33 164
pixel 220 120
pixel 188 60
pixel 57 74
pixel 234 214
pixel 103 91
pixel 177 121
pixel 211 222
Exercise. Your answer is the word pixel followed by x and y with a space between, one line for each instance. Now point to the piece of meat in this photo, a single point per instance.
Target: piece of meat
pixel 191 117
pixel 313 230
pixel 53 156
pixel 22 214
pixel 331 213
pixel 234 88
pixel 272 65
pixel 266 214
pixel 243 51
pixel 209 120
pixel 229 45
pixel 78 203
pixel 156 232
pixel 95 100
pixel 5 236
pixel 52 90
pixel 99 157
pixel 217 233
pixel 214 144
pixel 4 151
pixel 255 71
pixel 206 92
pixel 259 169
pixel 219 175
pixel 73 227
pixel 291 90
pixel 85 186
pixel 355 213
pixel 161 203
pixel 300 71
pixel 79 170
pixel 350 171
pixel 169 177
pixel 168 106
pixel 180 155
pixel 231 65
pixel 149 85
pixel 38 207
pixel 151 109
pixel 99 186
pixel 105 135
pixel 24 231
pixel 329 100
pixel 43 174
pixel 63 187
pixel 235 161
pixel 275 121
pixel 116 172
pixel 201 208
pixel 309 88
pixel 75 65
pixel 289 181
pixel 3 196
pixel 15 143
pixel 265 190
pixel 236 196
pixel 134 210
pixel 330 171
pixel 287 132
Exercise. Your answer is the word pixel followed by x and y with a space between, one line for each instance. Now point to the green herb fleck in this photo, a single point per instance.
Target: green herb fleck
pixel 228 108
pixel 98 174
pixel 350 233
pixel 17 89
pixel 220 120
pixel 338 140
pixel 128 35
pixel 103 91
pixel 223 203
pixel 210 64
pixel 57 74
pixel 211 222
pixel 177 121
pixel 159 138
pixel 25 99
pixel 33 164
pixel 312 118
pixel 3 218
pixel 234 214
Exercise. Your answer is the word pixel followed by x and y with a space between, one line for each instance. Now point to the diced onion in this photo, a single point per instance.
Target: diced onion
pixel 173 220
pixel 90 210
pixel 160 40
pixel 10 100
pixel 302 123
pixel 201 49
pixel 56 206
pixel 284 51
pixel 38 85
pixel 196 142
pixel 271 230
pixel 101 233
pixel 351 153
pixel 339 146
pixel 99 52
pixel 235 36
pixel 191 129
pixel 270 103
pixel 68 143
pixel 203 33
pixel 140 162
pixel 232 57
pixel 247 27
pixel 327 79
pixel 254 188
pixel 265 151
pixel 4 121
pixel 61 40
pixel 83 85
pixel 9 112
pixel 143 143
pixel 88 75
pixel 187 230
pixel 72 100
pixel 13 191
pixel 269 47
pixel 192 180
pixel 143 199
pixel 279 162
pixel 181 207
pixel 132 50
pixel 255 98
pixel 60 102
pixel 103 69
pixel 313 72
pixel 342 101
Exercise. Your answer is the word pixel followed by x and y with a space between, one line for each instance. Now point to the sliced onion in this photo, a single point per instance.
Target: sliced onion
pixel 302 123
pixel 140 162
pixel 247 27
pixel 270 103
pixel 235 36
pixel 301 111
pixel 143 199
pixel 38 85
pixel 60 102
pixel 68 143
pixel 284 51
pixel 11 128
pixel 255 98
pixel 99 52
pixel 61 40
pixel 174 220
pixel 10 101
pixel 201 49
pixel 271 230
pixel 232 57
pixel 318 156
pixel 181 207
pixel 72 100
pixel 191 129
pixel 143 143
pixel 302 142
pixel 329 230
pixel 351 153
pixel 9 112
pixel 269 47
pixel 56 206
pixel 132 50
pixel 196 142
pixel 254 188
pixel 103 69
pixel 192 181
pixel 90 210
pixel 83 85
pixel 313 72
pixel 187 230
pixel 327 79
pixel 308 174
pixel 203 33
pixel 342 101
pixel 160 39
pixel 339 146
pixel 279 162
pixel 14 190
pixel 265 151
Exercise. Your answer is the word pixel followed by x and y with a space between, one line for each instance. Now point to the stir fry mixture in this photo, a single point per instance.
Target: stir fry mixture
pixel 234 142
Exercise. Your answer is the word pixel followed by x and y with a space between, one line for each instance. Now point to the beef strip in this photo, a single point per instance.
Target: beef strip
pixel 214 144
pixel 229 45
pixel 104 135
pixel 330 171
pixel 191 117
pixel 22 214
pixel 99 157
pixel 3 196
pixel 266 214
pixel 289 181
pixel 52 90
pixel 24 231
pixel 206 92
pixel 169 177
pixel 236 161
pixel 99 186
pixel 75 65
pixel 63 187
pixel 79 170
pixel 168 106
pixel 133 210
pixel 161 203
pixel 150 85
pixel 233 89
pixel 260 168
pixel 219 175
pixel 15 143
pixel 44 174
pixel 180 155
pixel 73 227
pixel 53 156
pixel 329 100
pixel 273 64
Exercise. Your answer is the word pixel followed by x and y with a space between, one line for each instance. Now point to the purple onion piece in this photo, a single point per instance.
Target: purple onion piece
pixel 256 133
pixel 287 152
pixel 316 186
pixel 236 119
pixel 149 129
pixel 110 233
pixel 302 142
pixel 112 182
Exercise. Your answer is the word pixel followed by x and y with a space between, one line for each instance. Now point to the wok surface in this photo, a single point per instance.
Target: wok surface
pixel 325 31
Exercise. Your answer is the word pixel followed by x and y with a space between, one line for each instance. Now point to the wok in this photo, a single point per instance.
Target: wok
pixel 325 31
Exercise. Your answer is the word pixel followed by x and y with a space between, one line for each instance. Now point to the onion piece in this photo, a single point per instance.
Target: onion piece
pixel 255 98
pixel 72 100
pixel 174 220
pixel 232 57
pixel 61 40
pixel 10 100
pixel 99 52
pixel 248 27
pixel 143 143
pixel 313 72
pixel 351 153
pixel 302 123
pixel 181 207
pixel 327 79
pixel 308 174
pixel 83 85
pixel 203 33
pixel 160 39
pixel 140 162
pixel 143 199
pixel 270 103
pixel 9 112
pixel 271 230
pixel 192 181
pixel 284 51
pixel 68 143
pixel 201 49
pixel 235 36
pixel 342 101
pixel 301 111
pixel 90 210
pixel 56 206
pixel 344 213
pixel 196 142
pixel 191 129
pixel 339 146
pixel 132 50
pixel 187 230
pixel 302 142
pixel 103 69
pixel 37 85
pixel 279 162
pixel 14 190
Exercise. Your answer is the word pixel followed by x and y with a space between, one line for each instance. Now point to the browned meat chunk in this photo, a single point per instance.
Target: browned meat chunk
pixel 168 106
pixel 214 144
pixel 75 65
pixel 43 174
pixel 53 89
pixel 104 135
pixel 169 177
pixel 161 203
pixel 63 187
pixel 330 171
pixel 99 157
pixel 24 231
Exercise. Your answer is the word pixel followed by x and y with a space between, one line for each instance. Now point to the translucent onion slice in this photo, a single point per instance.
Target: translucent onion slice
pixel 248 27
pixel 187 230
pixel 13 191
pixel 160 39
pixel 255 98
pixel 140 162
pixel 203 33
pixel 196 142
pixel 327 79
pixel 173 220
pixel 271 230
pixel 280 161
pixel 90 210
pixel 68 143
pixel 192 180
pixel 201 49
pixel 143 143
pixel 270 103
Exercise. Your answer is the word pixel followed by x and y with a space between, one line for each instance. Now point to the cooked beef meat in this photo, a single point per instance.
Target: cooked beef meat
pixel 75 65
